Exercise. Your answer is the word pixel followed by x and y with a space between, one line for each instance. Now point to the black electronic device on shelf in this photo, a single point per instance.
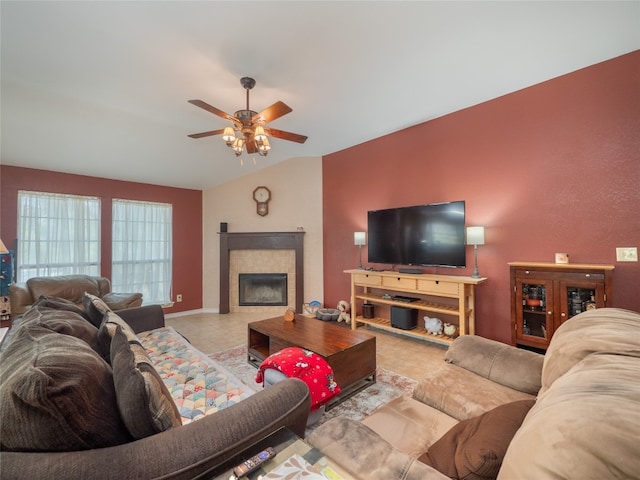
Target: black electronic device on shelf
pixel 412 271
pixel 404 298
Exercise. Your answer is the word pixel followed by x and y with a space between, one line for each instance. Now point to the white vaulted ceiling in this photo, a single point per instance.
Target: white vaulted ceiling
pixel 101 88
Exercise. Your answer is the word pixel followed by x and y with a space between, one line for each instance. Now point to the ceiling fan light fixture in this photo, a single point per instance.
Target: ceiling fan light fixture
pixel 238 143
pixel 263 146
pixel 259 134
pixel 228 136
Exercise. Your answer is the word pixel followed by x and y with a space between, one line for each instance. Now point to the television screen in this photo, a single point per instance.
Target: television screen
pixel 429 235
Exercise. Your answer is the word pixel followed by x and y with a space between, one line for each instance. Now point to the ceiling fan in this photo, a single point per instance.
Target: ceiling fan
pixel 249 131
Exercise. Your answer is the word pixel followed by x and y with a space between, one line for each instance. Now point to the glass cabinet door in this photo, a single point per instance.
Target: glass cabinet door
pixel 534 318
pixel 577 296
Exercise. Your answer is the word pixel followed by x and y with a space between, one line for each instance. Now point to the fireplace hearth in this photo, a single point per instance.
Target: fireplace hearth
pixel 262 289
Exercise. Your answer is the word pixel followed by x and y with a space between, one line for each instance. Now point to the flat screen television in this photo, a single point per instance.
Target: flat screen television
pixel 426 235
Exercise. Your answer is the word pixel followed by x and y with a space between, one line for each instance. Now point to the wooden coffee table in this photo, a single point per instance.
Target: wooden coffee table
pixel 351 354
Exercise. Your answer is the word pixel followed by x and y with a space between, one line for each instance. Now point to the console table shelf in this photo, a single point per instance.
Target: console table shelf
pixel 418 332
pixel 419 304
pixel 449 295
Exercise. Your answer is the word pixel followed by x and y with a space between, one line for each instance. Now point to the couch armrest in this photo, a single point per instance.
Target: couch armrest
pixel 179 453
pixel 142 319
pixel 20 298
pixel 501 363
pixel 120 301
pixel 363 453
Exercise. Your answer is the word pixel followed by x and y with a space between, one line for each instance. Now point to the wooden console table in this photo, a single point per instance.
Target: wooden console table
pixel 451 298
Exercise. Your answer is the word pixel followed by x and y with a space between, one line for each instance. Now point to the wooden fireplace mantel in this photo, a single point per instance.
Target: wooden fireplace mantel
pixel 260 241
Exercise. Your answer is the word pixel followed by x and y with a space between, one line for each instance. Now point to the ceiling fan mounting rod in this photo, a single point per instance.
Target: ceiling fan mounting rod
pixel 247 83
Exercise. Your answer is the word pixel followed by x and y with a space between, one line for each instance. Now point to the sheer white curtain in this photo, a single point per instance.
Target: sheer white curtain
pixel 57 235
pixel 142 249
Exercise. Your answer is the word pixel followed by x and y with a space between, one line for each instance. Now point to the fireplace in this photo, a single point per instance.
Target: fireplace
pixel 261 252
pixel 262 289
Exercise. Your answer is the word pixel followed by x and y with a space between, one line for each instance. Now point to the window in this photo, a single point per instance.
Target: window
pixel 142 249
pixel 57 235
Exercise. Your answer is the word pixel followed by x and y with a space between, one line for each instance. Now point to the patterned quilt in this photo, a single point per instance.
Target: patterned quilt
pixel 198 385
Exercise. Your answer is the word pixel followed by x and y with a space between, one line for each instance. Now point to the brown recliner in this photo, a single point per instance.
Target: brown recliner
pixel 70 287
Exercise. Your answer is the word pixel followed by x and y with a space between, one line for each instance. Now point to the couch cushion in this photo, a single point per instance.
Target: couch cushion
pixel 409 425
pixel 475 448
pixel 57 394
pixel 462 394
pixel 96 308
pixel 584 426
pixel 512 367
pixel 66 322
pixel 144 401
pixel 71 287
pixel 604 330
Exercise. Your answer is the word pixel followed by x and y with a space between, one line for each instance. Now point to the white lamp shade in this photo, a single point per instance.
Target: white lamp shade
pixel 3 249
pixel 475 235
pixel 228 135
pixel 359 238
pixel 259 134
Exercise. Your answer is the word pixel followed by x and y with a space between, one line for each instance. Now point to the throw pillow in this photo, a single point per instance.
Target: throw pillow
pixel 144 401
pixel 107 330
pixel 57 395
pixel 95 307
pixel 474 448
pixel 66 322
pixel 59 303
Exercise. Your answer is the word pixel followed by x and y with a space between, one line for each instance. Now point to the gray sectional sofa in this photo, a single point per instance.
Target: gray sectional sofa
pixel 80 399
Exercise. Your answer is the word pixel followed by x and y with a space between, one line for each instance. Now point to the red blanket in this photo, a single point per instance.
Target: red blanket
pixel 308 367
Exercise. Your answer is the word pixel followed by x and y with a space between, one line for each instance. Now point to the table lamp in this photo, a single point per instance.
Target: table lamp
pixel 360 239
pixel 475 237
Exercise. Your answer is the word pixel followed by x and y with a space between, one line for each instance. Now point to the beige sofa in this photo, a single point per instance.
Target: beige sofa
pixel 69 287
pixel 492 410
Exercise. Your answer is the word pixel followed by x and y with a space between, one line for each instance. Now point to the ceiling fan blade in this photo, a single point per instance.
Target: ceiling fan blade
pixel 292 137
pixel 207 134
pixel 214 110
pixel 269 114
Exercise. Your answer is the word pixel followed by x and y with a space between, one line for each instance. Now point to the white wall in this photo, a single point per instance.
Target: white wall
pixel 296 192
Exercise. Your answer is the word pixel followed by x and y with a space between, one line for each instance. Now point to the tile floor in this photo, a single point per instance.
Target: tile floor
pixel 212 332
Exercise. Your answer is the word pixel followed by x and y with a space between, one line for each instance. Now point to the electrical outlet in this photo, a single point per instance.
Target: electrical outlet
pixel 179 298
pixel 627 254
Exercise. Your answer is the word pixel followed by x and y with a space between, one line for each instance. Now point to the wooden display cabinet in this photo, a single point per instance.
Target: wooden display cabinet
pixel 545 295
pixel 448 297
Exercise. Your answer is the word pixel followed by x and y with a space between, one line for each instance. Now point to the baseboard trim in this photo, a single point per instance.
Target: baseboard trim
pixel 191 312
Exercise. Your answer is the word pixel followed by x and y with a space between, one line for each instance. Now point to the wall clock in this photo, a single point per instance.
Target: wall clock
pixel 262 195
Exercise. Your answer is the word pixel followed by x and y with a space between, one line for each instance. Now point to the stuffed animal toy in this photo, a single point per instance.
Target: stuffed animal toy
pixel 344 308
pixel 433 325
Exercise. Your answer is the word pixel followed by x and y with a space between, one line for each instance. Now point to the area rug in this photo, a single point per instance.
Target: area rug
pixel 389 385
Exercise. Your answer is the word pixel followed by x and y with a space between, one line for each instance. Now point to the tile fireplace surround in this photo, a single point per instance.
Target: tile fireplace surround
pixel 261 252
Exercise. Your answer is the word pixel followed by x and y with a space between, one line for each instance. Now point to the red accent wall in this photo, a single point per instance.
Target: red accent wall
pixel 551 168
pixel 187 219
